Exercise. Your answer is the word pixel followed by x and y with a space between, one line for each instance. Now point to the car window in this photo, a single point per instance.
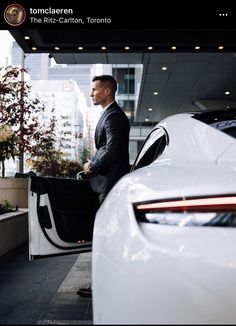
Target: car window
pixel 152 148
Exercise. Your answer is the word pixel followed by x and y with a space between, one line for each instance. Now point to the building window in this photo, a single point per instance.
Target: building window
pixel 128 107
pixel 125 80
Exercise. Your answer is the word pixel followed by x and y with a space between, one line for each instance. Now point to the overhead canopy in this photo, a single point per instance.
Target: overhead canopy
pixel 69 40
pixel 195 78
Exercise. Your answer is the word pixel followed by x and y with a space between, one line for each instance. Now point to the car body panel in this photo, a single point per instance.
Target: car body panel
pixel 162 274
pixel 147 273
pixel 198 140
pixel 227 159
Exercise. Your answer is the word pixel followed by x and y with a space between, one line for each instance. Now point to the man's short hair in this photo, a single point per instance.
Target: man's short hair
pixel 108 80
pixel 13 10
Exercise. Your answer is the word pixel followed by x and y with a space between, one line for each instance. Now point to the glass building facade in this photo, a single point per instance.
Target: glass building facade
pixel 128 78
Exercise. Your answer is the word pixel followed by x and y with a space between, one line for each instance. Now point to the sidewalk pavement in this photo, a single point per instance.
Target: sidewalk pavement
pixel 43 291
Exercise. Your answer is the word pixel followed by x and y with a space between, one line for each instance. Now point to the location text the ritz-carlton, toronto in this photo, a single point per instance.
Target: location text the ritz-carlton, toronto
pixel 63 16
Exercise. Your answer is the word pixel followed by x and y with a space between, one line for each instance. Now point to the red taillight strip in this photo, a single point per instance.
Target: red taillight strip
pixel 222 202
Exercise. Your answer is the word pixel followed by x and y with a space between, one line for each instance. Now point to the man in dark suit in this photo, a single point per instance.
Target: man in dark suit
pixel 111 160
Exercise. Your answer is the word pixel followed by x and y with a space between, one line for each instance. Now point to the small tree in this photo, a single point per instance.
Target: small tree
pixel 33 135
pixel 18 109
pixel 47 158
pixel 44 157
pixel 52 162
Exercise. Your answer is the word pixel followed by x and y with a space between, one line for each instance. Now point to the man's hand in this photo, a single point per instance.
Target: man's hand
pixel 87 167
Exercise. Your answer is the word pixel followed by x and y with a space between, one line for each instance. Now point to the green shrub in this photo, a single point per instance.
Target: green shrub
pixel 7 207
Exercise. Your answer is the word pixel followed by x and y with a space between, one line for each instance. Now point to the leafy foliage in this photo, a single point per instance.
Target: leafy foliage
pixel 18 109
pixel 34 133
pixel 7 144
pixel 47 158
pixel 85 155
pixel 7 207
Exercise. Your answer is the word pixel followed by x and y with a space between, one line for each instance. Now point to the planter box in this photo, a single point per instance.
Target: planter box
pixel 15 190
pixel 13 230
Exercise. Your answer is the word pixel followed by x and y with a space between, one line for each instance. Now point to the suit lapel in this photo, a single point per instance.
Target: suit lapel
pixel 100 121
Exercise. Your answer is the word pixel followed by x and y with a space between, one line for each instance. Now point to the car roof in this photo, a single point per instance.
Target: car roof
pixel 222 114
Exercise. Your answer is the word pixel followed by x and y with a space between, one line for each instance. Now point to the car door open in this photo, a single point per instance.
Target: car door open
pixel 61 216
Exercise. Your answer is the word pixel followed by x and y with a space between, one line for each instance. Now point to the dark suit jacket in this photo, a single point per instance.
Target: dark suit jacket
pixel 111 160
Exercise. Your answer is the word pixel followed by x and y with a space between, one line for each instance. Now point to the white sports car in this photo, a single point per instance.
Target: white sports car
pixel 163 240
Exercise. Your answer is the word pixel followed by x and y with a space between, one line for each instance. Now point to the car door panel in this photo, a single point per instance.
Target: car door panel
pixel 61 215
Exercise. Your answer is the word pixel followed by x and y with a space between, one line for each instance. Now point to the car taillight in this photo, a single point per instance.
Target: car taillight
pixel 207 211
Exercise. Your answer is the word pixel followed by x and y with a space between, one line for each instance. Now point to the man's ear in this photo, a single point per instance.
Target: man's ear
pixel 107 91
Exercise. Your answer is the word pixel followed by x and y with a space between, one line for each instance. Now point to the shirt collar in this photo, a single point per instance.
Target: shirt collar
pixel 108 105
